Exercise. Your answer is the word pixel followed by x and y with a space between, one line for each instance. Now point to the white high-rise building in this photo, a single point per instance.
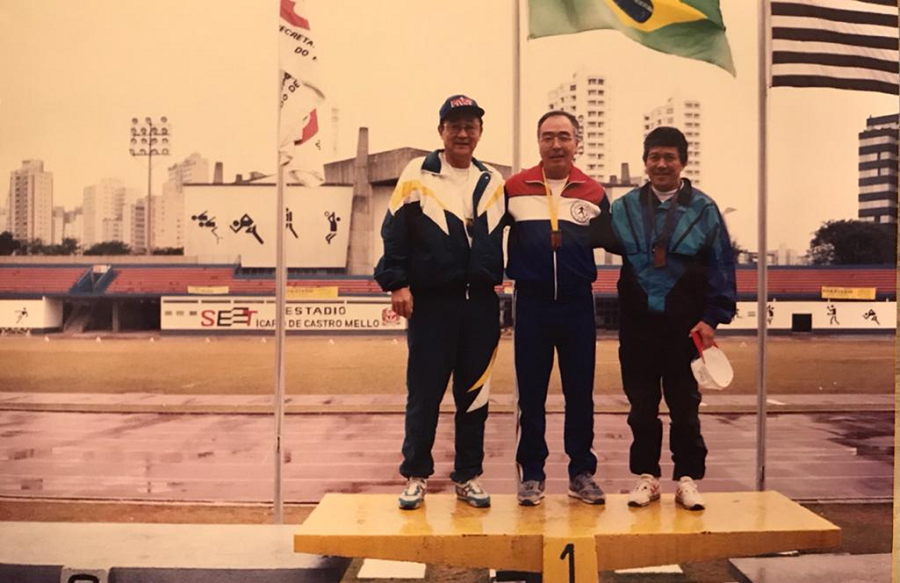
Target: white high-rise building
pixel 167 211
pixel 686 115
pixel 584 96
pixel 59 221
pixel 193 170
pixel 878 149
pixel 30 202
pixel 135 227
pixel 4 219
pixel 73 225
pixel 167 221
pixel 103 211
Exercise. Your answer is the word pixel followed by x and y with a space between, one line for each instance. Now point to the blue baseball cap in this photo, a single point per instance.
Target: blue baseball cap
pixel 456 103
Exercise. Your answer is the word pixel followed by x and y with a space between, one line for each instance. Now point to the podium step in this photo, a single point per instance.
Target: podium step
pixel 511 537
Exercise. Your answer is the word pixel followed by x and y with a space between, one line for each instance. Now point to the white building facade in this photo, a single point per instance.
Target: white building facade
pixel 585 97
pixel 30 202
pixel 103 210
pixel 167 212
pixel 686 115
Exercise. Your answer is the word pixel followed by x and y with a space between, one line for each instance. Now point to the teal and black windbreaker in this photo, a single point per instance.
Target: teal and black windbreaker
pixel 698 280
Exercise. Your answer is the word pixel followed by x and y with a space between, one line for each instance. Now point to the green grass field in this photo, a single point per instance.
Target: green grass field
pixel 376 365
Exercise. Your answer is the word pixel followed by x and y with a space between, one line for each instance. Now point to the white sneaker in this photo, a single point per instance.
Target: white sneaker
pixel 688 495
pixel 414 493
pixel 473 494
pixel 645 491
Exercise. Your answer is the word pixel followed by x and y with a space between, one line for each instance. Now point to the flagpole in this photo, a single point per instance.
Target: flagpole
pixel 517 90
pixel 895 568
pixel 895 571
pixel 280 282
pixel 762 260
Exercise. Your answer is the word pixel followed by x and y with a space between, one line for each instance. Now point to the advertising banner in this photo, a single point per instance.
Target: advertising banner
pixel 246 314
pixel 822 316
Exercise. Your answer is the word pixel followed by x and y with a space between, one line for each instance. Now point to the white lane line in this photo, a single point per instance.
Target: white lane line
pixel 659 569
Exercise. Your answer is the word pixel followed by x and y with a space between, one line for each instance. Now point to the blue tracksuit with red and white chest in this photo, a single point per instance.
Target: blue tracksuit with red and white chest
pixel 554 310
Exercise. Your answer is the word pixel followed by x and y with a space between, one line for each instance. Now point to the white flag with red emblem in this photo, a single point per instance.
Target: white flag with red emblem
pixel 300 141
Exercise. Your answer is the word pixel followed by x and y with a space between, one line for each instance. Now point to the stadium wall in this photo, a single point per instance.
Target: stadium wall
pixel 818 316
pixel 240 220
pixel 43 315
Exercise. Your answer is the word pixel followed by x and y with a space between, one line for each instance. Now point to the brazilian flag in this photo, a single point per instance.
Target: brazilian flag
pixel 688 28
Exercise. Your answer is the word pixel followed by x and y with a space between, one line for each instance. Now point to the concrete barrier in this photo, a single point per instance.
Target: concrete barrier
pixel 54 552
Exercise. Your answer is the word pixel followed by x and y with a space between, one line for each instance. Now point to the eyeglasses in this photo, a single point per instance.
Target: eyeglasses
pixel 458 128
pixel 564 138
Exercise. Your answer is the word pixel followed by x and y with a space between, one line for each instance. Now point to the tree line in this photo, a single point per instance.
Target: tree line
pixel 9 245
pixel 844 242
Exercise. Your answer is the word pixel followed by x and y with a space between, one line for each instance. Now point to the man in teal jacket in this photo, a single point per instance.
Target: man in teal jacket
pixel 677 279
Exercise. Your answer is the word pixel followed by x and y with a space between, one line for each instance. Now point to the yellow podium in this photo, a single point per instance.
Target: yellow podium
pixel 565 539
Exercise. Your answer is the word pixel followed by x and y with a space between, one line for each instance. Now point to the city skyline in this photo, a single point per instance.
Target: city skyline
pixel 217 94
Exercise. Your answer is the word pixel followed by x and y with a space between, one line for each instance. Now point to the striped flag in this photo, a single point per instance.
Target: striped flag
pixel 300 141
pixel 844 44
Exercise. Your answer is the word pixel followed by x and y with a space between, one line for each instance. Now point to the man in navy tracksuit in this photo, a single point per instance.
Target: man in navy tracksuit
pixel 443 256
pixel 558 214
pixel 677 279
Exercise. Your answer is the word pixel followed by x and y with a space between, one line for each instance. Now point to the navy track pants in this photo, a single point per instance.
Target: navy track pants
pixel 565 325
pixel 656 360
pixel 449 334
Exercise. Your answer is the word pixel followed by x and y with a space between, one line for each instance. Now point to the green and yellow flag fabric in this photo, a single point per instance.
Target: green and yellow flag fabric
pixel 688 28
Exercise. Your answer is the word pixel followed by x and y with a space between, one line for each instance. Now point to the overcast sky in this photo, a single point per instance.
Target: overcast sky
pixel 73 74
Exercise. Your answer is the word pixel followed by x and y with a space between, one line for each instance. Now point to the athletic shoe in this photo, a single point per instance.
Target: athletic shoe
pixel 473 494
pixel 531 492
pixel 688 495
pixel 414 494
pixel 644 492
pixel 586 489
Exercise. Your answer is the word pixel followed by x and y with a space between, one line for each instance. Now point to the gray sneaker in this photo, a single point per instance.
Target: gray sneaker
pixel 531 492
pixel 586 489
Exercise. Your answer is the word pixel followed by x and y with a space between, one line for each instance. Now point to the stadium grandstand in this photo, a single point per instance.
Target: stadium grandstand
pixel 125 293
pixel 225 282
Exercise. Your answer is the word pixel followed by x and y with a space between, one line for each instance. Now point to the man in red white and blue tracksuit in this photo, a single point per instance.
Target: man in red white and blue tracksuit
pixel 558 215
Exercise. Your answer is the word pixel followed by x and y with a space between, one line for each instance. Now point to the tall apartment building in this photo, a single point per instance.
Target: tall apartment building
pixel 59 221
pixel 30 202
pixel 73 225
pixel 878 149
pixel 193 170
pixel 684 114
pixel 103 212
pixel 136 224
pixel 168 210
pixel 167 220
pixel 584 96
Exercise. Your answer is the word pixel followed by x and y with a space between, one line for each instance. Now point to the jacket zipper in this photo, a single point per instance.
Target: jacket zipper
pixel 555 282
